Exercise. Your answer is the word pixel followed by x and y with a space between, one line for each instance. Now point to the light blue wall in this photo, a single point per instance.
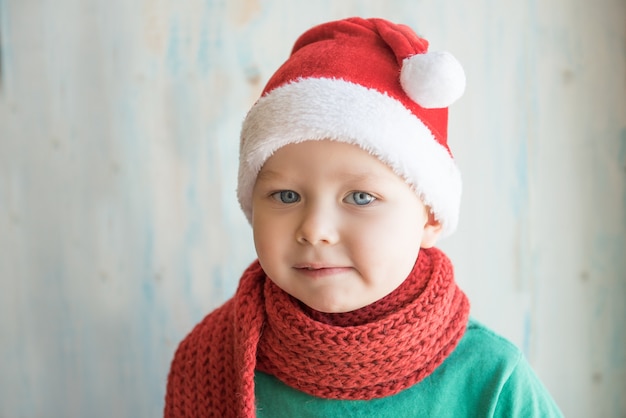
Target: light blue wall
pixel 119 226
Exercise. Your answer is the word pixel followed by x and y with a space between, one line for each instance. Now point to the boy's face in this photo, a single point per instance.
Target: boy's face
pixel 334 227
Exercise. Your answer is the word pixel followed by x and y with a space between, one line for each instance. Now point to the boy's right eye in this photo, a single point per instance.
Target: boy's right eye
pixel 286 196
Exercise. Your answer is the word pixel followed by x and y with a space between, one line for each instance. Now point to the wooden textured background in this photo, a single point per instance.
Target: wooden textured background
pixel 119 226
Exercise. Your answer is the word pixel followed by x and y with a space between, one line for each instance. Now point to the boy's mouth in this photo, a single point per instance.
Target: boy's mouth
pixel 320 270
pixel 314 266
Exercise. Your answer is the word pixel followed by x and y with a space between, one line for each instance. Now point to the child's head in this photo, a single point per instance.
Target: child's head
pixel 335 227
pixel 344 165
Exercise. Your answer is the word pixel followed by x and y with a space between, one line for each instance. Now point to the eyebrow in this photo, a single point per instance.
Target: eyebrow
pixel 269 175
pixel 358 177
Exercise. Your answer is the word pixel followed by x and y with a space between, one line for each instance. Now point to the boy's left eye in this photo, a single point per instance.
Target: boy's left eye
pixel 360 198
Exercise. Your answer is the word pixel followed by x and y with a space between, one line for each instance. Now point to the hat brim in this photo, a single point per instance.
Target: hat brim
pixel 338 110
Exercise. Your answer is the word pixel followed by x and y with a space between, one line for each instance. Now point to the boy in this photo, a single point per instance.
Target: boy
pixel 347 179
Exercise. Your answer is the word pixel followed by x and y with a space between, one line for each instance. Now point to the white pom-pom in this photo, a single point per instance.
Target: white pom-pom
pixel 433 80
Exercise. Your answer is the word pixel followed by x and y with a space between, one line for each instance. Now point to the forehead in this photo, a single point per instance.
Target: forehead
pixel 330 160
pixel 324 152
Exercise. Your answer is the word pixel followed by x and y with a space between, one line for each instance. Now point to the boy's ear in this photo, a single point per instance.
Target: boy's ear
pixel 432 230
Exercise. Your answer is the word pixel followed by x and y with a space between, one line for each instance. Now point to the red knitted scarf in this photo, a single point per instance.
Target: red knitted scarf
pixel 369 353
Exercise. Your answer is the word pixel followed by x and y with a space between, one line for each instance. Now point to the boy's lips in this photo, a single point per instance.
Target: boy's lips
pixel 320 270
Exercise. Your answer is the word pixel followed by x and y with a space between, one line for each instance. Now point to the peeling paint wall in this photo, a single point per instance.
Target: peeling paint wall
pixel 119 225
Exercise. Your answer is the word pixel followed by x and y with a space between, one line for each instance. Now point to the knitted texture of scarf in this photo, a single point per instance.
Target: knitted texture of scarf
pixel 369 353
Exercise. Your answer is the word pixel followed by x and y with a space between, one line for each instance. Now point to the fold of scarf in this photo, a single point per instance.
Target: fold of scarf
pixel 373 352
pixel 402 339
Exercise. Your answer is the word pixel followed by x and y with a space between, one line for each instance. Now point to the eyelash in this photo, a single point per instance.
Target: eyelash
pixel 369 197
pixel 280 196
pixel 289 197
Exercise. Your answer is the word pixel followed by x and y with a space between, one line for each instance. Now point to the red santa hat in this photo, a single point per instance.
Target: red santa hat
pixel 367 82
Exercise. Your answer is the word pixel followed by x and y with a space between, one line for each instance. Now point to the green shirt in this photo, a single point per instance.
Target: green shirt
pixel 485 376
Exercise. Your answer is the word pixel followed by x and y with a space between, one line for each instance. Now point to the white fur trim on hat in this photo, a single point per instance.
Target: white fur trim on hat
pixel 334 109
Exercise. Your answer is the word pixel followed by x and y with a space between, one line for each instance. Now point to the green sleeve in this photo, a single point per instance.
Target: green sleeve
pixel 523 395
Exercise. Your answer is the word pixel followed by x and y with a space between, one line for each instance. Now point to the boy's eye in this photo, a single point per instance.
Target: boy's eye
pixel 360 198
pixel 286 196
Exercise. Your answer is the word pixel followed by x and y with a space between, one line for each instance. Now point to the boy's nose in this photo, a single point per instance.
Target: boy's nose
pixel 318 226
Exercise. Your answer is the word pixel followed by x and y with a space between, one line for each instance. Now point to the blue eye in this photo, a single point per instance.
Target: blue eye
pixel 360 198
pixel 287 196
